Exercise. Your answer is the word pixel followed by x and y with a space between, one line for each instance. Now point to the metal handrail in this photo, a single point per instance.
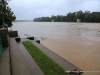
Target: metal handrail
pixel 0 46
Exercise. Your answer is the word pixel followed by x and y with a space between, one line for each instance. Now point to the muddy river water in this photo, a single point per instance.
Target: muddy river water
pixel 79 43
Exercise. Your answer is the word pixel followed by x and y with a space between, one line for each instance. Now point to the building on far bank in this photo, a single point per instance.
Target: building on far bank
pixel 78 20
pixel 52 20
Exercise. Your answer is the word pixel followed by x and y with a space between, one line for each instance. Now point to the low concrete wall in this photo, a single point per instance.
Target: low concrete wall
pixel 3 33
pixel 13 34
pixel 4 37
pixel 4 42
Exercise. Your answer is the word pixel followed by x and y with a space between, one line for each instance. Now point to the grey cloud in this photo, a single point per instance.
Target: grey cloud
pixel 29 9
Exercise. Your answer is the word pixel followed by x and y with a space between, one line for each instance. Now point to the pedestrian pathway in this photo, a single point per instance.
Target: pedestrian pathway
pixel 5 68
pixel 18 64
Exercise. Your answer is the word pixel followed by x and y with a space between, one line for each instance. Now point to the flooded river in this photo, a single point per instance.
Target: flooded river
pixel 79 43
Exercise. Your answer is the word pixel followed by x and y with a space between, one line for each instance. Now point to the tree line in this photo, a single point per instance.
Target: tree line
pixel 8 14
pixel 86 16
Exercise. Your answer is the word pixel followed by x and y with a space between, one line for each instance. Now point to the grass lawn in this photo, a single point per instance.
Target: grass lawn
pixel 47 65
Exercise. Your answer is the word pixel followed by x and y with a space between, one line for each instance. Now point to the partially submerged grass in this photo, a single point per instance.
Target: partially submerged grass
pixel 47 65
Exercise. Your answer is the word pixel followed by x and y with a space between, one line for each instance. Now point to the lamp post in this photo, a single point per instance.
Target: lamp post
pixel 1 4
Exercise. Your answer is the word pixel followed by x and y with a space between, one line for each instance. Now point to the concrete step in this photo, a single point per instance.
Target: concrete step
pixel 31 64
pixel 18 63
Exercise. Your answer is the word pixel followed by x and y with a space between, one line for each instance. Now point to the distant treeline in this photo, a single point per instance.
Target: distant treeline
pixel 23 21
pixel 86 16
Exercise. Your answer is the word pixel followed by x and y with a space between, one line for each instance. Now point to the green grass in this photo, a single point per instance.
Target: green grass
pixel 47 65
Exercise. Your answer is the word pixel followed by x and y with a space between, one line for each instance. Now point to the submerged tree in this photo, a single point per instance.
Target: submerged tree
pixel 8 14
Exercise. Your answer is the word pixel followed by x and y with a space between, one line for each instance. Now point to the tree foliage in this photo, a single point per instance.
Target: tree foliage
pixel 86 16
pixel 8 14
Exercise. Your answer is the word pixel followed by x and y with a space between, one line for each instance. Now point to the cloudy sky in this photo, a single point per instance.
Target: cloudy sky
pixel 30 9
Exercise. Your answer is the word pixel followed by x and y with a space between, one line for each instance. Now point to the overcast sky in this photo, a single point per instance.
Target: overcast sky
pixel 30 9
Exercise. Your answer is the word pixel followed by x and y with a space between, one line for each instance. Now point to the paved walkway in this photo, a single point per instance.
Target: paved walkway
pixel 5 62
pixel 18 63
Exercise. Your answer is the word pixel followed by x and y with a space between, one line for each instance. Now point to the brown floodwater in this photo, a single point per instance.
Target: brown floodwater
pixel 79 43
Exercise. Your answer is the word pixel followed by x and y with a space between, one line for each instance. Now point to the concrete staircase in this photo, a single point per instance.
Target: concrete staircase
pixel 15 60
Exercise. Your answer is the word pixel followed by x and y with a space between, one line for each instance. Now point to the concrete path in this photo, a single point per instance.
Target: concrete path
pixel 18 63
pixel 5 62
pixel 31 64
